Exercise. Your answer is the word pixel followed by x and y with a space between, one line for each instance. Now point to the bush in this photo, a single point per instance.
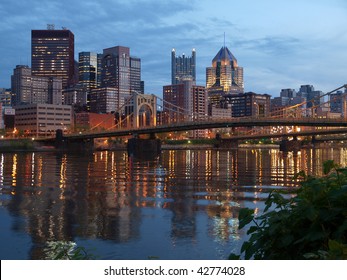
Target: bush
pixel 309 223
pixel 65 250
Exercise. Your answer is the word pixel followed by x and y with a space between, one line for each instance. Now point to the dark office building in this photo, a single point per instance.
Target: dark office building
pixel 248 104
pixel 336 102
pixel 135 75
pixel 52 54
pixel 173 96
pixel 121 71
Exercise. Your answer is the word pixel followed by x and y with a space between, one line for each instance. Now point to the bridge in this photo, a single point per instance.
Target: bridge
pixel 212 124
pixel 138 116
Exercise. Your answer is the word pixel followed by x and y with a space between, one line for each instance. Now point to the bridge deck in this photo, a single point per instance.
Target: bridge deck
pixel 210 124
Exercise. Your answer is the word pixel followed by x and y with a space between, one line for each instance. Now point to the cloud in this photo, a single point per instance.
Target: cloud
pixel 290 49
pixel 272 45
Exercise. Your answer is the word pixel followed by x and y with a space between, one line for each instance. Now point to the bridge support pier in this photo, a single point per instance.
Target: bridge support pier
pixel 290 145
pixel 226 143
pixel 79 146
pixel 144 148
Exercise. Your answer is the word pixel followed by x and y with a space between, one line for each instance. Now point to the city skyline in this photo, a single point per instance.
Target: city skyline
pixel 279 45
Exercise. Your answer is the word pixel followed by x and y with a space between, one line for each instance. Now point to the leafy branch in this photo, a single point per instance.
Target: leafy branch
pixel 308 223
pixel 65 250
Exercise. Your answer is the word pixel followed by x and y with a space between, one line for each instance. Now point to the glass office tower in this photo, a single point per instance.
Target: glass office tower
pixel 89 69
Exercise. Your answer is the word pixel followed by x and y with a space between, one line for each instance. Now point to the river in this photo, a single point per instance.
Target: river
pixel 183 205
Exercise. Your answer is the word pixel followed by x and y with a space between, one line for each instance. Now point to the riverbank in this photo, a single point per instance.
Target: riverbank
pixel 30 145
pixel 16 145
pixel 23 145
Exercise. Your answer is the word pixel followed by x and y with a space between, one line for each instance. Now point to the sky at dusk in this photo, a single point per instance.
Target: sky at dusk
pixel 279 43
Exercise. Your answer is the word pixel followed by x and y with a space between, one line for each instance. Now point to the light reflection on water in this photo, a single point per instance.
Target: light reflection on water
pixel 181 206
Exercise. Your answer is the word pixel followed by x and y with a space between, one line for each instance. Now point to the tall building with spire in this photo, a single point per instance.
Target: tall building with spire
pixel 182 67
pixel 224 77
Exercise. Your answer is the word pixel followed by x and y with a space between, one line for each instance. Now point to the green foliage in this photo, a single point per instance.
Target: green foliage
pixel 309 223
pixel 260 141
pixel 17 145
pixel 65 250
pixel 190 142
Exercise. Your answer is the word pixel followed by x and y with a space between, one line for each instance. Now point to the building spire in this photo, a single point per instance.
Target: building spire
pixel 224 39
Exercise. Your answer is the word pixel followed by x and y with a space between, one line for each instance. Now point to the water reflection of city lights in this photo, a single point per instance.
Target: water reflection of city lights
pixel 33 169
pixel 62 173
pixel 2 170
pixel 112 189
pixel 14 171
pixel 39 171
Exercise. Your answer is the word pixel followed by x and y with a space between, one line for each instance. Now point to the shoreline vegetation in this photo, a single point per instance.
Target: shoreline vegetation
pixel 30 145
pixel 309 222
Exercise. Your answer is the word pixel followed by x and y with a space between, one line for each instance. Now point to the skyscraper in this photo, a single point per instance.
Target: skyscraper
pixel 182 66
pixel 104 100
pixel 89 65
pixel 30 89
pixel 52 54
pixel 312 96
pixel 121 71
pixel 185 101
pixel 21 85
pixel 224 77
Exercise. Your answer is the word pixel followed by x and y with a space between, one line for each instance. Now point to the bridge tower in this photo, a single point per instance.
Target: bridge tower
pixel 344 104
pixel 144 109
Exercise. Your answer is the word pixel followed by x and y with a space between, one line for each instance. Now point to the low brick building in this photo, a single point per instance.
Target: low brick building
pixel 93 121
pixel 42 119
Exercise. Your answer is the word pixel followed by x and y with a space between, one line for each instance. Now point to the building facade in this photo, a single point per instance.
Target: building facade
pixel 173 96
pixel 93 121
pixel 9 118
pixel 185 101
pixel 5 97
pixel 249 104
pixel 28 89
pixel 104 100
pixel 135 75
pixel 52 54
pixel 76 96
pixel 336 102
pixel 42 119
pixel 224 77
pixel 199 109
pixel 182 66
pixel 218 112
pixel 121 71
pixel 89 70
pixel 313 97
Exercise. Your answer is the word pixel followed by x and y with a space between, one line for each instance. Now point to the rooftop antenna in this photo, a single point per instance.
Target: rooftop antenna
pixel 50 26
pixel 224 39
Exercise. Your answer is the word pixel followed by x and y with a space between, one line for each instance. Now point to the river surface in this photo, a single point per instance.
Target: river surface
pixel 183 205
